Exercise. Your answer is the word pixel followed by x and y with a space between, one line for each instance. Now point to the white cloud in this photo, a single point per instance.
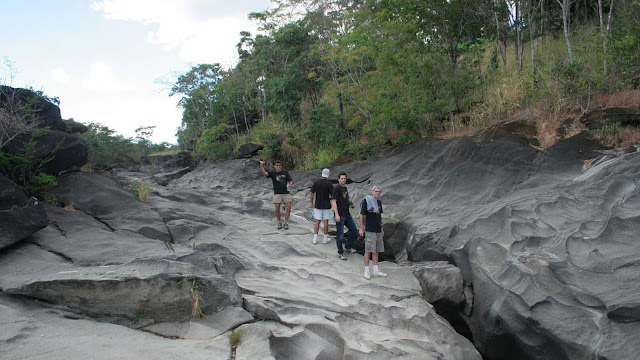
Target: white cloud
pixel 203 31
pixel 101 79
pixel 59 75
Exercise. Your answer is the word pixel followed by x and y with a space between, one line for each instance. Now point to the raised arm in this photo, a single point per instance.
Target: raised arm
pixel 262 170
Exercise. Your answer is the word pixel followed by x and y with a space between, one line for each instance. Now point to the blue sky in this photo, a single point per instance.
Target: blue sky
pixel 107 60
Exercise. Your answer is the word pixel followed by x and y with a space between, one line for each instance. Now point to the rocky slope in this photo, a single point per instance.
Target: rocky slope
pixel 531 254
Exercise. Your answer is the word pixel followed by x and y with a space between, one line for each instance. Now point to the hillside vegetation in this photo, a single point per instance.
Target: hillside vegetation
pixel 343 77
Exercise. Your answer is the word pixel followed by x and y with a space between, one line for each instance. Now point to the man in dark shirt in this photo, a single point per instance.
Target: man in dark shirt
pixel 341 204
pixel 371 210
pixel 322 190
pixel 282 182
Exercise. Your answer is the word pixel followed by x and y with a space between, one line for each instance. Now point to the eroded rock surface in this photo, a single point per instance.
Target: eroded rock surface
pixel 546 238
pixel 531 254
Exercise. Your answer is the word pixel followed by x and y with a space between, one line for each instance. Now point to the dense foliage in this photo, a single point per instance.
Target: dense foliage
pixel 27 171
pixel 342 77
pixel 107 149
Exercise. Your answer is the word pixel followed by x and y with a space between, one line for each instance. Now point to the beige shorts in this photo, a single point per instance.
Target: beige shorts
pixel 373 242
pixel 282 198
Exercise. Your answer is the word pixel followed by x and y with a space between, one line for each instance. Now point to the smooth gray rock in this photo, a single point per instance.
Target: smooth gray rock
pixel 102 198
pixel 544 242
pixel 440 282
pixel 85 241
pixel 155 289
pixel 20 215
pixel 34 331
pixel 164 178
pixel 204 328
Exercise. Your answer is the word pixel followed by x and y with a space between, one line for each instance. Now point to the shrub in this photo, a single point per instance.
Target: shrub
pixel 211 143
pixel 616 135
pixel 235 337
pixel 142 190
pixel 28 173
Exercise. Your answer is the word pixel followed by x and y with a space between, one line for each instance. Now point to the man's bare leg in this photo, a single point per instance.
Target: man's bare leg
pixel 287 207
pixel 277 211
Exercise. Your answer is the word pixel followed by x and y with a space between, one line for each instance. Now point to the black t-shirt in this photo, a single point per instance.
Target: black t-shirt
pixel 341 195
pixel 323 189
pixel 280 180
pixel 372 221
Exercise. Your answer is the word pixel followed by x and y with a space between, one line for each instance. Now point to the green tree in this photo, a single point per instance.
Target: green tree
pixel 197 88
pixel 212 142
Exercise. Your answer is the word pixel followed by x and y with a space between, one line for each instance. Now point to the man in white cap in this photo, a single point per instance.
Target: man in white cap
pixel 321 190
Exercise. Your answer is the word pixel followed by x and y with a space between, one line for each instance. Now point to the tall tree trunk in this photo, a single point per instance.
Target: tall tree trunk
pixel 502 48
pixel 264 104
pixel 516 25
pixel 246 123
pixel 566 6
pixel 605 36
pixel 601 16
pixel 532 41
pixel 235 119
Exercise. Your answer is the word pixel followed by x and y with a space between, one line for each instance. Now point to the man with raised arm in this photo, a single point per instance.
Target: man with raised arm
pixel 282 182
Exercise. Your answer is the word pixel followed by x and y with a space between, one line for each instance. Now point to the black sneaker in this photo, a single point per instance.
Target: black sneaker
pixel 279 225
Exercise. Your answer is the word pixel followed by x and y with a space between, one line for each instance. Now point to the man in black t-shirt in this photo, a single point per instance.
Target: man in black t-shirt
pixel 282 182
pixel 371 211
pixel 322 190
pixel 341 204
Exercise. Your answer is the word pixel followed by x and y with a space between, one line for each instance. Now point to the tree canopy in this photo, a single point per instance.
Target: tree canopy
pixel 331 78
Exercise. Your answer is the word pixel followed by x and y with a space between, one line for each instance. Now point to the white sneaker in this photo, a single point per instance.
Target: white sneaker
pixel 326 240
pixel 352 250
pixel 366 274
pixel 342 257
pixel 379 273
pixel 315 241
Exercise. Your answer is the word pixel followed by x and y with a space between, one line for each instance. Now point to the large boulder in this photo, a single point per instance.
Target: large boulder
pixel 161 290
pixel 101 197
pixel 607 117
pixel 45 113
pixel 164 178
pixel 74 127
pixel 57 150
pixel 123 273
pixel 249 150
pixel 35 330
pixel 20 216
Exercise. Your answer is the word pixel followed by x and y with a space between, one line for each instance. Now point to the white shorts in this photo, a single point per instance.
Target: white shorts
pixel 323 214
